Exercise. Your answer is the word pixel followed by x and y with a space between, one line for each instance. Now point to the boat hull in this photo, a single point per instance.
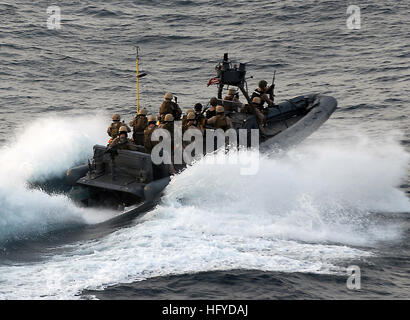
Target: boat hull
pixel 130 182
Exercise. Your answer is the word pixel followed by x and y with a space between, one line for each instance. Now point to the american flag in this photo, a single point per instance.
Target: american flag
pixel 213 81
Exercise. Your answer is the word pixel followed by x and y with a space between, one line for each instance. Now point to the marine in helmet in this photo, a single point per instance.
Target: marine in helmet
pixel 220 120
pixel 192 123
pixel 184 120
pixel 168 124
pixel 152 125
pixel 122 142
pixel 232 95
pixel 168 106
pixel 139 124
pixel 255 109
pixel 114 128
pixel 212 109
pixel 199 116
pixel 263 93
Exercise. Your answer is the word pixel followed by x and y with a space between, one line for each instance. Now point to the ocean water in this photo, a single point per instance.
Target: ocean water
pixel 339 199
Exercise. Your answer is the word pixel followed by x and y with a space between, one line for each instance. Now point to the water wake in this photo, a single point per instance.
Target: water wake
pixel 44 150
pixel 303 211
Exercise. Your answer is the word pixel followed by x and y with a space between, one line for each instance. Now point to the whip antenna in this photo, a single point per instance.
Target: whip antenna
pixel 138 80
pixel 139 75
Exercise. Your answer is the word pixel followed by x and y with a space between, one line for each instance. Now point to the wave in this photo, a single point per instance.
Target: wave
pixel 42 151
pixel 306 210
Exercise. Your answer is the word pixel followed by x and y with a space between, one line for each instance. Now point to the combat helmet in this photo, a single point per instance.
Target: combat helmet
pixel 169 118
pixel 190 116
pixel 151 118
pixel 169 96
pixel 143 112
pixel 262 84
pixel 213 101
pixel 220 109
pixel 198 107
pixel 123 129
pixel 257 100
pixel 116 117
pixel 232 91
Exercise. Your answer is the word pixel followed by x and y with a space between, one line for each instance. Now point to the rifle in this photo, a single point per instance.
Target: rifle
pixel 176 108
pixel 272 88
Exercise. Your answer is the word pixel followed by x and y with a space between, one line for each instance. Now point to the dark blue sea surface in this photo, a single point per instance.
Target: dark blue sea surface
pixel 288 232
